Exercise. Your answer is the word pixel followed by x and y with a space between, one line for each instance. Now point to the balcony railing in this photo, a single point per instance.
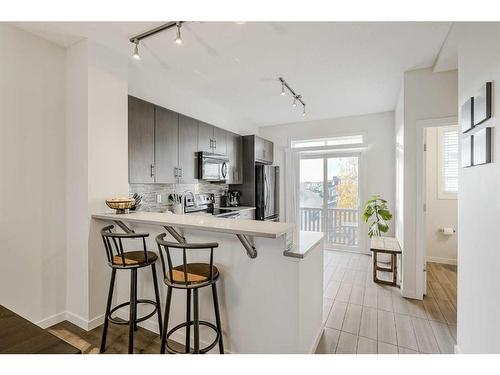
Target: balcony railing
pixel 339 224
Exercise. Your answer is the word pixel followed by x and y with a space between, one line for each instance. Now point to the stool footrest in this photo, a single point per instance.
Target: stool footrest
pixel 190 323
pixel 126 322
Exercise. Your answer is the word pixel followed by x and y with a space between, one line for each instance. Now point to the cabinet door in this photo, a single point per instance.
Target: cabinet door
pixel 220 138
pixel 141 124
pixel 166 145
pixel 188 145
pixel 205 136
pixel 235 155
pixel 268 151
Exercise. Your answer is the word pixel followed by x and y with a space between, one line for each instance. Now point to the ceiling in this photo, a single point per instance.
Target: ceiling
pixel 340 68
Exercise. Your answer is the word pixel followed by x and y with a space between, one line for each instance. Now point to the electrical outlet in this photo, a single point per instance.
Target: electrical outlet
pixel 158 198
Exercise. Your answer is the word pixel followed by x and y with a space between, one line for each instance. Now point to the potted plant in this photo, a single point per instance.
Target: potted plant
pixel 376 207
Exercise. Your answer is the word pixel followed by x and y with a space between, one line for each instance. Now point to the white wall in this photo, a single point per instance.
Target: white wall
pixel 440 212
pixel 32 172
pixel 165 91
pixel 479 202
pixel 377 174
pixel 427 95
pixel 97 169
pixel 399 132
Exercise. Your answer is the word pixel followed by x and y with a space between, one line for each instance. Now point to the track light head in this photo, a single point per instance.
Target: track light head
pixel 136 55
pixel 294 104
pixel 178 39
pixel 304 110
pixel 283 89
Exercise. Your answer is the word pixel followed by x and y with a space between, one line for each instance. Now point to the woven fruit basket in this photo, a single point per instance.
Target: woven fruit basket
pixel 121 205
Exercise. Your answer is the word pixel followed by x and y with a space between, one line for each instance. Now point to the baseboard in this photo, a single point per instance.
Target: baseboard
pixel 317 339
pixel 52 320
pixel 442 260
pixel 77 320
pixel 96 322
pixel 457 349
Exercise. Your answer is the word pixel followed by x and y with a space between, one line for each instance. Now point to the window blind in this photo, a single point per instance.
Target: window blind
pixel 450 161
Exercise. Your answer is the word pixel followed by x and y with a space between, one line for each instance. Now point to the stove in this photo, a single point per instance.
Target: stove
pixel 204 203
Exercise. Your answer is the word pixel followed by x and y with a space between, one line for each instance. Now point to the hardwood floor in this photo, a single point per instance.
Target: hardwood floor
pixel 145 342
pixel 367 318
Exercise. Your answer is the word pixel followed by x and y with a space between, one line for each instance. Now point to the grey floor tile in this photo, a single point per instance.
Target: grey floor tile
pixel 404 330
pixel 444 338
pixel 424 335
pixel 352 319
pixel 328 342
pixel 368 326
pixel 347 343
pixel 337 314
pixel 384 348
pixel 386 327
pixel 366 346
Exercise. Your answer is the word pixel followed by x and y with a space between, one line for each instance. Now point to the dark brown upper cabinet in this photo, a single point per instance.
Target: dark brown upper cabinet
pixel 220 145
pixel 188 146
pixel 211 139
pixel 264 150
pixel 166 146
pixel 141 139
pixel 234 146
pixel 205 137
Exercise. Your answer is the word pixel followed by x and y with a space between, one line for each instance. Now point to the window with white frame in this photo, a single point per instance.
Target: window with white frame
pixel 448 160
pixel 332 141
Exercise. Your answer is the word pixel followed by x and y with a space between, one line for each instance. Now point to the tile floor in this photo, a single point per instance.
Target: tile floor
pixel 367 318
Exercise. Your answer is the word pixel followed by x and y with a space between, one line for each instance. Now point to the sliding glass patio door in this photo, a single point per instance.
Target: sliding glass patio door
pixel 329 198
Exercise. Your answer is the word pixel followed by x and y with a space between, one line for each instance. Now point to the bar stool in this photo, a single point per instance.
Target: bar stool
pixel 190 277
pixel 129 260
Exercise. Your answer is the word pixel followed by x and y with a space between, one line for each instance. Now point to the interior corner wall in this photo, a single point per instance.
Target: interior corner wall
pixel 427 95
pixel 32 173
pixel 479 201
pixel 97 168
pixel 399 131
pixel 76 183
pixel 377 175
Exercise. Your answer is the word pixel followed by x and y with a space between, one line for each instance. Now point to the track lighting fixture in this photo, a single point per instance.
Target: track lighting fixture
pixel 136 55
pixel 296 97
pixel 169 25
pixel 178 39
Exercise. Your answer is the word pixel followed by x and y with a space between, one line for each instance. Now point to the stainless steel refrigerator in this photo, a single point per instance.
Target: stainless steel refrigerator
pixel 267 180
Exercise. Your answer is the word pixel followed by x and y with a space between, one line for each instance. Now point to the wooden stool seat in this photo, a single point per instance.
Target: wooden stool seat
pixel 195 272
pixel 135 258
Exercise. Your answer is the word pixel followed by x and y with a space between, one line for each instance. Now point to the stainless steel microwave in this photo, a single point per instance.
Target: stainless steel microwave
pixel 212 167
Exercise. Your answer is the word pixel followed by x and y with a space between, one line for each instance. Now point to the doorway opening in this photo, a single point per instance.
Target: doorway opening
pixel 329 198
pixel 437 227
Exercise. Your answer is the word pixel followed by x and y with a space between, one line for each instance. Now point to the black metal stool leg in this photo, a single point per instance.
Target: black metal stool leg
pixel 157 296
pixel 165 322
pixel 135 317
pixel 188 320
pixel 133 306
pixel 196 322
pixel 217 318
pixel 108 308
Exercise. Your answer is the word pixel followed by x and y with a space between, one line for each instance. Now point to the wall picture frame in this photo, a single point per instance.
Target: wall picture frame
pixel 467 121
pixel 481 146
pixel 482 104
pixel 467 151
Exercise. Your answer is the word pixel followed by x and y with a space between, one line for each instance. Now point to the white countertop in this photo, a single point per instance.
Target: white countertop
pixel 203 222
pixel 307 242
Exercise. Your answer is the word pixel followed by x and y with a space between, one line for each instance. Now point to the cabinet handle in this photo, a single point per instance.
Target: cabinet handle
pixel 176 172
pixel 152 170
pixel 215 142
pixel 211 143
pixel 180 172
